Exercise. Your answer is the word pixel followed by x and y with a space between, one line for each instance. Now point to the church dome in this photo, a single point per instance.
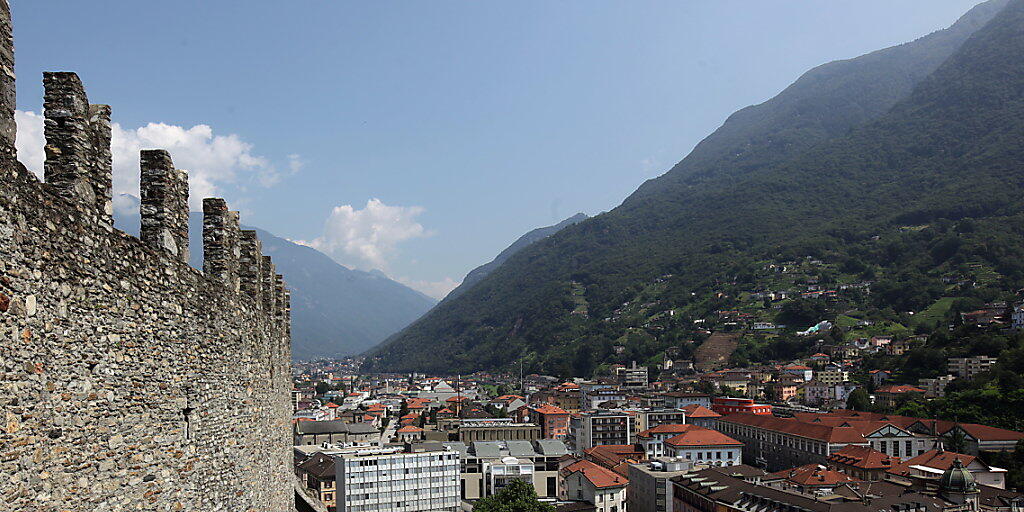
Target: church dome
pixel 957 479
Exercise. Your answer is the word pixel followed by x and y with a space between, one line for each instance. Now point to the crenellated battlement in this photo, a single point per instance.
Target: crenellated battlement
pixel 131 381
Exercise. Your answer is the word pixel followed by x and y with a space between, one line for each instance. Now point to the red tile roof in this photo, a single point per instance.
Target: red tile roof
pixel 899 388
pixel 548 409
pixel 938 427
pixel 863 457
pixel 668 428
pixel 830 434
pixel 611 455
pixel 699 411
pixel 600 477
pixel 933 459
pixel 811 475
pixel 409 429
pixel 700 436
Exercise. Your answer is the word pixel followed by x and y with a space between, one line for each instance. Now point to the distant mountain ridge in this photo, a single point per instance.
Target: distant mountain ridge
pixel 336 311
pixel 917 133
pixel 477 274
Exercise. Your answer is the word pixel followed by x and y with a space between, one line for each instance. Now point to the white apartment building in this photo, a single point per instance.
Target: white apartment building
pixel 388 480
pixel 969 367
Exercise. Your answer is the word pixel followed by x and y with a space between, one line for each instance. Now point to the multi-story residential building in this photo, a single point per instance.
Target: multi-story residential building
pixel 805 373
pixel 816 392
pixel 593 428
pixel 725 406
pixel 650 484
pixel 703 446
pixel 388 479
pixel 593 395
pixel 880 376
pixel 564 396
pixel 487 466
pixel 781 391
pixel 970 367
pixel 553 421
pixel 594 484
pixel 832 374
pixel 780 443
pixel 632 376
pixel 682 399
pixel 935 387
pixel 650 418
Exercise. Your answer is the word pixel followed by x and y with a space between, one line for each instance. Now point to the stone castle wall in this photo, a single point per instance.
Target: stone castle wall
pixel 129 380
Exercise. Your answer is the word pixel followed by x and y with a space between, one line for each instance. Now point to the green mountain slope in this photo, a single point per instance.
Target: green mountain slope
pixel 477 274
pixel 830 163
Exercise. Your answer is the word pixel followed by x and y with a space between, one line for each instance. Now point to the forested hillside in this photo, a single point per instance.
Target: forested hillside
pixel 479 273
pixel 900 168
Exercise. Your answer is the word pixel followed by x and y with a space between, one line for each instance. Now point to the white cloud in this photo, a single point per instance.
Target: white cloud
pixel 213 161
pixel 435 289
pixel 367 238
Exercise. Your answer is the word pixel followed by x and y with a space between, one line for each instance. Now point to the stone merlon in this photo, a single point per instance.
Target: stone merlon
pixel 8 95
pixel 220 242
pixel 164 205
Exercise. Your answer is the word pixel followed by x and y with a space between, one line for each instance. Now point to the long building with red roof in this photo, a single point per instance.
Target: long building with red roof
pixel 783 443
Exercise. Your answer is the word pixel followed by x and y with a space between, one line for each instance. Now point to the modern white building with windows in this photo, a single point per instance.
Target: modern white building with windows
pixel 389 480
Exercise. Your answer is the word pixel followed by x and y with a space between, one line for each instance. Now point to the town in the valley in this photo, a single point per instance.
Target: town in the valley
pixel 820 433
pixel 820 308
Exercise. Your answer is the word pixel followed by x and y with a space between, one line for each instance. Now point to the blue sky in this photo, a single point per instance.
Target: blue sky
pixel 421 138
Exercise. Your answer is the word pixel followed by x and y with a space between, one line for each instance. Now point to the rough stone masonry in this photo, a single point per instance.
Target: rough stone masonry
pixel 128 380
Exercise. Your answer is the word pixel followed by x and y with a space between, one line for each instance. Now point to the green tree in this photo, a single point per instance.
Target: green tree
pixel 858 400
pixel 955 441
pixel 517 496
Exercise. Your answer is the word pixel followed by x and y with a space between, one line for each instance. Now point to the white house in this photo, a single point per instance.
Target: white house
pixel 653 439
pixel 704 446
pixel 586 481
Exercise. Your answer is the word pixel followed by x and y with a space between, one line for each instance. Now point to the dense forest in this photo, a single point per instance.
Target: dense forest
pixel 897 173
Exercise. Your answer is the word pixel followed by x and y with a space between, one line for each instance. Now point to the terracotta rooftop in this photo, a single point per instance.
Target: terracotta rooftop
pixel 699 411
pixel 811 475
pixel 700 436
pixel 548 409
pixel 830 434
pixel 863 457
pixel 941 460
pixel 611 455
pixel 668 428
pixel 899 388
pixel 600 477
